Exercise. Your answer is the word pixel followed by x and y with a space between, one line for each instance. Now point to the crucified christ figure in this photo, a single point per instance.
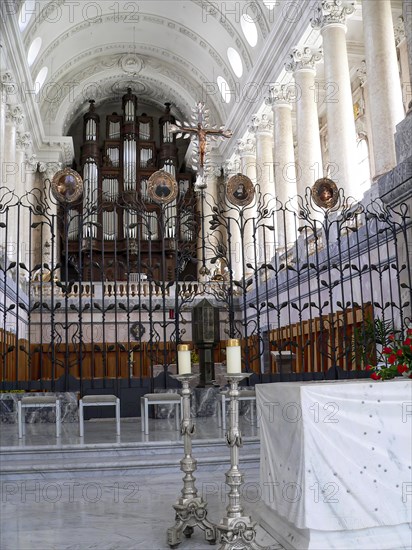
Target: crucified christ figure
pixel 202 134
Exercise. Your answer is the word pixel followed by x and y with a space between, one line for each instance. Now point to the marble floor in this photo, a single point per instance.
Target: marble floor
pixel 117 510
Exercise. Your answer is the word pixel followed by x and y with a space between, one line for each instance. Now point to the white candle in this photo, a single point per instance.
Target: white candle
pixel 183 359
pixel 233 356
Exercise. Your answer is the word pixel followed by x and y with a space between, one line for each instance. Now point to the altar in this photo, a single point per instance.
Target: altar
pixel 335 469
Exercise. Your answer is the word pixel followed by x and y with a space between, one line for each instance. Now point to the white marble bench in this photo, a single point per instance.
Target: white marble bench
pixel 244 395
pixel 159 399
pixel 37 402
pixel 99 401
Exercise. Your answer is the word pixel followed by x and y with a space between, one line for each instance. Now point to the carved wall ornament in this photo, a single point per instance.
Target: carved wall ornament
pixel 325 193
pixel 131 64
pixel 240 190
pixel 162 187
pixel 67 186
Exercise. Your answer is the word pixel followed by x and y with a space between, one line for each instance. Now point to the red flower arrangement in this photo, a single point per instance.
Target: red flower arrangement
pixel 398 359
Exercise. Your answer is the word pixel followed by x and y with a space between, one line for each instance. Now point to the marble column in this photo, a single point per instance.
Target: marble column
pixel 23 185
pixel 284 164
pixel 407 18
pixel 309 166
pixel 247 153
pixel 385 95
pixel 262 127
pixel 331 18
pixel 234 245
pixel 402 47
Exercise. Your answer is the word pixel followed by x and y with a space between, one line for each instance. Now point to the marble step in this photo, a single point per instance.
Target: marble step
pixel 128 459
pixel 97 450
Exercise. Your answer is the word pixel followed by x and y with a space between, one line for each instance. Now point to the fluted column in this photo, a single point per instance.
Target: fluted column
pixel 385 95
pixel 361 74
pixel 23 145
pixel 309 162
pixel 330 20
pixel 23 183
pixel 234 244
pixel 284 162
pixel 14 119
pixel 2 129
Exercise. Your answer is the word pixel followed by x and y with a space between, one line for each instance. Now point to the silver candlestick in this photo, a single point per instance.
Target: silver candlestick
pixel 190 508
pixel 235 530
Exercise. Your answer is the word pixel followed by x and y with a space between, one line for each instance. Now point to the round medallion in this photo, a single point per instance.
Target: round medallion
pixel 240 190
pixel 137 330
pixel 67 186
pixel 162 187
pixel 325 193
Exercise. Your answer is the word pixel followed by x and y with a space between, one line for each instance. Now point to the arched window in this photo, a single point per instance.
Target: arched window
pixel 41 77
pixel 224 89
pixel 235 61
pixel 33 51
pixel 26 13
pixel 249 29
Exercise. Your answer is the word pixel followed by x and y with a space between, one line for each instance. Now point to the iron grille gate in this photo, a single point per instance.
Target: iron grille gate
pixel 312 293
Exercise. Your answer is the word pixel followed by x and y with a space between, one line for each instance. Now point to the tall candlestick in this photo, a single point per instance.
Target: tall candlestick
pixel 183 359
pixel 233 356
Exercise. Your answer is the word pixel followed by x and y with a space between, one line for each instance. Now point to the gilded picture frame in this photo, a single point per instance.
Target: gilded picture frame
pixel 325 193
pixel 162 187
pixel 240 190
pixel 67 186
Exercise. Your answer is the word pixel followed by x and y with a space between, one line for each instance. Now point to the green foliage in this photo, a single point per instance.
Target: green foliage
pixel 372 332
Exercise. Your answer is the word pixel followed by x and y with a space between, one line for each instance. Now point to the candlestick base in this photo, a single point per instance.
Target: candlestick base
pixel 190 513
pixel 240 532
pixel 236 531
pixel 190 509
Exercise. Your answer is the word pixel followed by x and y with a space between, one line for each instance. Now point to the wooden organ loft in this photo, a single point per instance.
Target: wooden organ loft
pixel 120 232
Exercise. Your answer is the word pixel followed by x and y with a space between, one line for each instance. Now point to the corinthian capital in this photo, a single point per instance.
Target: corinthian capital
pixel 8 83
pixel 261 125
pixel 302 59
pixel 399 30
pixel 246 147
pixel 15 115
pixel 23 140
pixel 48 169
pixel 231 167
pixel 361 73
pixel 280 95
pixel 332 12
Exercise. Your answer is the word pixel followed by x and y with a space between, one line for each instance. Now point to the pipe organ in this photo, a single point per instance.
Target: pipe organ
pixel 121 230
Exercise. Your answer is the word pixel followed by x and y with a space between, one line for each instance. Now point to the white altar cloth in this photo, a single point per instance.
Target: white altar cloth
pixel 336 460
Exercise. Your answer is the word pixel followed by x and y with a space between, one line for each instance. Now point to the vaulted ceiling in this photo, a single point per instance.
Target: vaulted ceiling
pixel 165 50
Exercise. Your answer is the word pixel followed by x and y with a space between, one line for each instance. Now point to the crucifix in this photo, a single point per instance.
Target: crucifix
pixel 200 131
